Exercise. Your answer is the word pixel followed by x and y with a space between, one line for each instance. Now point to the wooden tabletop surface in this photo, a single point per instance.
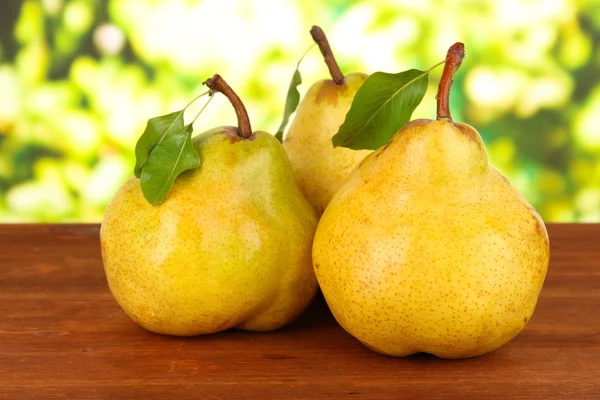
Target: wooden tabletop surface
pixel 62 335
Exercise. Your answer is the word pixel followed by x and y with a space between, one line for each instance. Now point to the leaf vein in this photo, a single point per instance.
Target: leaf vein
pixel 378 110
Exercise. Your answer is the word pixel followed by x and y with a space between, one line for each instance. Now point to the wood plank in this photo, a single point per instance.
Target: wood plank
pixel 62 335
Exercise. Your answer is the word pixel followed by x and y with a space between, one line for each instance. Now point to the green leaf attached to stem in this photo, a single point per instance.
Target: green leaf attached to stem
pixel 293 97
pixel 383 104
pixel 164 151
pixel 166 161
pixel 157 130
pixel 291 103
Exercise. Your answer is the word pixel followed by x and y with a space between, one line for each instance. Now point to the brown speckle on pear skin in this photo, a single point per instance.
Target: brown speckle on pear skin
pixel 416 122
pixel 330 91
pixel 231 132
pixel 539 228
pixel 467 131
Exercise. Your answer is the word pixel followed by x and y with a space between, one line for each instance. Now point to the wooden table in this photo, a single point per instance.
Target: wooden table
pixel 63 336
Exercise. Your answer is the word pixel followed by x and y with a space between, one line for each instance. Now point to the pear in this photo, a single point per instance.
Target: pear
pixel 319 168
pixel 230 247
pixel 427 248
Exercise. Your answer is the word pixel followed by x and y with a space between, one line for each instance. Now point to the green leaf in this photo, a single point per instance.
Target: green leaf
pixel 382 105
pixel 291 102
pixel 166 161
pixel 157 130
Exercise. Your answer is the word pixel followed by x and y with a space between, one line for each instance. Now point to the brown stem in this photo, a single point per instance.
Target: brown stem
pixel 321 40
pixel 454 58
pixel 218 84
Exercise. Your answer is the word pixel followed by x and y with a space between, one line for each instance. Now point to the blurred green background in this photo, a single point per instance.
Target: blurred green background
pixel 79 79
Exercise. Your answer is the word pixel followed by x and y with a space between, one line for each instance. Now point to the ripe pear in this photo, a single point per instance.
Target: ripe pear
pixel 230 247
pixel 319 168
pixel 427 248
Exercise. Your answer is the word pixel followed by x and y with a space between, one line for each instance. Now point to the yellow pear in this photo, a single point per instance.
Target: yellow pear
pixel 319 168
pixel 427 248
pixel 230 247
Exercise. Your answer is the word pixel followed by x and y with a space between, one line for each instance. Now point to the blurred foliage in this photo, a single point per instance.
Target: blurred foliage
pixel 79 79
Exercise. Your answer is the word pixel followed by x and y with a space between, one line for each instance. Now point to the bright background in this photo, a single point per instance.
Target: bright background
pixel 79 79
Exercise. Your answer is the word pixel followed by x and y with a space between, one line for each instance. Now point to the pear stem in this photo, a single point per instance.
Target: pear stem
pixel 218 84
pixel 454 57
pixel 321 40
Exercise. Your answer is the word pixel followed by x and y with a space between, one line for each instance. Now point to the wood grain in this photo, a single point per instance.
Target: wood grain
pixel 63 336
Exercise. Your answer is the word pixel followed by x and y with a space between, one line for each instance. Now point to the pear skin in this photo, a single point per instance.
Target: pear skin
pixel 427 248
pixel 319 168
pixel 229 247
